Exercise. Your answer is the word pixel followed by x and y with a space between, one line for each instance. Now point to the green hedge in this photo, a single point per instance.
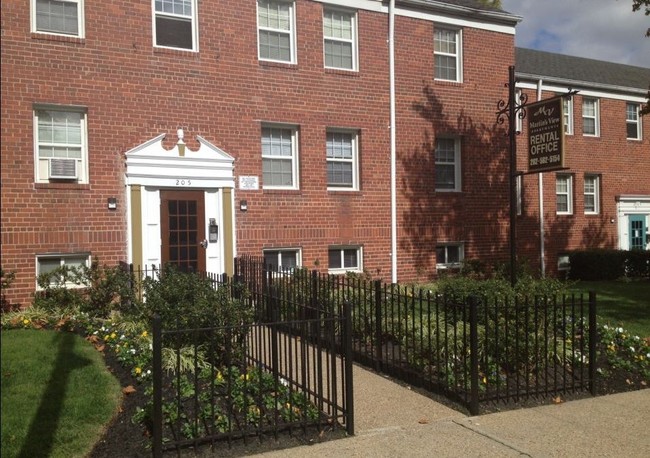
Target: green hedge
pixel 607 264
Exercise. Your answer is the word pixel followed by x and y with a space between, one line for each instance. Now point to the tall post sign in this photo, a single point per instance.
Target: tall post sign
pixel 545 136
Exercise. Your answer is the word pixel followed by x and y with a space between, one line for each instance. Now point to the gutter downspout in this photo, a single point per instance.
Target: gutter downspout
pixel 393 191
pixel 540 187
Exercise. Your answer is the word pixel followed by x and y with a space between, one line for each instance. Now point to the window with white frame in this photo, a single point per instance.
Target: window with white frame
pixel 633 121
pixel 175 24
pixel 447 54
pixel 592 194
pixel 448 164
pixel 563 263
pixel 339 39
pixel 567 109
pixel 590 117
pixel 282 259
pixel 60 144
pixel 344 259
pixel 280 157
pixel 449 255
pixel 342 160
pixel 48 263
pixel 60 17
pixel 276 30
pixel 564 194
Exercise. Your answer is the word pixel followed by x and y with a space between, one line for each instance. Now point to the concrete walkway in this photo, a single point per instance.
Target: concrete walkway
pixel 393 421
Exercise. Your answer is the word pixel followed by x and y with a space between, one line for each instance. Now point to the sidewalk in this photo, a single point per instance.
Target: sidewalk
pixel 393 421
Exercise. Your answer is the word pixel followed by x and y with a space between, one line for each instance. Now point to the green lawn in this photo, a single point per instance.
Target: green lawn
pixel 625 304
pixel 57 395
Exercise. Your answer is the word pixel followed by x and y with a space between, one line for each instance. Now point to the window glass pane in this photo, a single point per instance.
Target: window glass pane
pixel 446 68
pixel 271 260
pixel 350 258
pixel 453 254
pixel 174 32
pixel 334 259
pixel 289 259
pixel 441 255
pixel 46 265
pixel 57 16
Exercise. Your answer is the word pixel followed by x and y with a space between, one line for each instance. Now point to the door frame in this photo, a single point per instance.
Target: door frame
pixel 152 170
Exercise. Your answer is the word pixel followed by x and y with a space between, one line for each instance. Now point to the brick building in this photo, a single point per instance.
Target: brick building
pixel 175 130
pixel 602 199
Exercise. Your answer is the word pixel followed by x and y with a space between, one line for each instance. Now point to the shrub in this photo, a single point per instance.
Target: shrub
pixel 637 263
pixel 597 264
pixel 6 279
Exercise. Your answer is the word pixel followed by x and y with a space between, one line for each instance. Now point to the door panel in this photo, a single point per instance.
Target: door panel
pixel 637 232
pixel 182 215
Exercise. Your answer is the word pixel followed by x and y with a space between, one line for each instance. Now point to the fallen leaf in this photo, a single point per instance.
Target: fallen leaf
pixel 628 381
pixel 558 400
pixel 423 421
pixel 100 347
pixel 644 383
pixel 128 389
pixel 92 339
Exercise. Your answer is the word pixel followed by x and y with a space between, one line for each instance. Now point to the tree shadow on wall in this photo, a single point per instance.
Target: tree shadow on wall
pixel 478 215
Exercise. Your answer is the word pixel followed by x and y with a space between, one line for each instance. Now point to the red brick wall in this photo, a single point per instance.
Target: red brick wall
pixel 134 92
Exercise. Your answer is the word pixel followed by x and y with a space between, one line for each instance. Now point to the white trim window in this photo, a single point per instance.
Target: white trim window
pixel 61 151
pixel 564 194
pixel 342 160
pixel 175 24
pixel 340 39
pixel 450 255
pixel 280 157
pixel 592 194
pixel 563 263
pixel 276 31
pixel 633 121
pixel 590 117
pixel 447 54
pixel 284 259
pixel 343 259
pixel 567 111
pixel 448 172
pixel 49 262
pixel 58 17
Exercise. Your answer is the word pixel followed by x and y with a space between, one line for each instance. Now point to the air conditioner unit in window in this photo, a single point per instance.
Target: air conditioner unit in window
pixel 63 169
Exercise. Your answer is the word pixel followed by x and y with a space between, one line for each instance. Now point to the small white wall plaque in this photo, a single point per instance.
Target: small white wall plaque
pixel 249 183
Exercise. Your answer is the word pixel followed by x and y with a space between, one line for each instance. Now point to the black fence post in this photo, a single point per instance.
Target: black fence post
pixel 473 345
pixel 593 342
pixel 157 387
pixel 274 317
pixel 347 354
pixel 378 333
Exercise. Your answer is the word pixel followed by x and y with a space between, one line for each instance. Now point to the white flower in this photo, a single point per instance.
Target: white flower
pixel 619 330
pixel 632 349
pixel 122 337
pixel 149 372
pixel 284 382
pixel 150 346
pixel 95 333
pixel 132 351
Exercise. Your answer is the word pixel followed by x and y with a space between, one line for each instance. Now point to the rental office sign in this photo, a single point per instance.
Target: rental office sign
pixel 545 136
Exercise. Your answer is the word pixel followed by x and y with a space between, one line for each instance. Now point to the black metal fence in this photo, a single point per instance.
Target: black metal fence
pixel 474 350
pixel 260 379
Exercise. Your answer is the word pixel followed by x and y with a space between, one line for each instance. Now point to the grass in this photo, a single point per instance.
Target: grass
pixel 625 304
pixel 57 395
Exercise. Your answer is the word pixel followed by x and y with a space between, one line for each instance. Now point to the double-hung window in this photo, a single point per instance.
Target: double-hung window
pixel 342 160
pixel 276 30
pixel 280 157
pixel 344 259
pixel 590 117
pixel 592 194
pixel 448 174
pixel 60 144
pixel 339 35
pixel 447 53
pixel 282 259
pixel 175 24
pixel 449 255
pixel 633 121
pixel 567 110
pixel 564 194
pixel 60 17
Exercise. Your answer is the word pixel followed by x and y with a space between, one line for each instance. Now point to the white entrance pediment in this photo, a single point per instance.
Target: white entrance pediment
pixel 149 164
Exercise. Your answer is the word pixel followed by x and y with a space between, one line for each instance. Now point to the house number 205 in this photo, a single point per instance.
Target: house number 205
pixel 187 182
